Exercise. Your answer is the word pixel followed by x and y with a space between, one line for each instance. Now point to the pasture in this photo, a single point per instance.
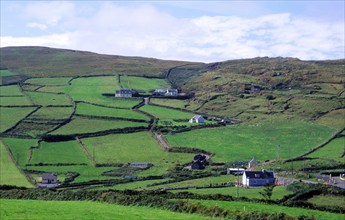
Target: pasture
pixel 58 152
pixel 14 101
pixel 252 193
pixel 52 113
pixel 143 84
pixel 93 110
pixel 174 103
pixel 134 147
pixel 332 150
pixel 10 116
pixel 45 99
pixel 13 90
pixel 6 73
pixel 166 113
pixel 9 173
pixel 90 89
pixel 80 125
pixel 269 208
pixel 20 149
pixel 328 200
pixel 53 81
pixel 231 143
pixel 56 210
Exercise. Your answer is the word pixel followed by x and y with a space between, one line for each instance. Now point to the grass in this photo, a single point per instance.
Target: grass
pixel 59 152
pixel 88 109
pixel 175 103
pixel 81 125
pixel 328 200
pixel 6 73
pixel 242 142
pixel 199 182
pixel 15 101
pixel 136 185
pixel 9 173
pixel 143 84
pixel 49 81
pixel 333 119
pixel 134 147
pixel 45 99
pixel 55 89
pixel 13 90
pixel 269 208
pixel 10 116
pixel 251 193
pixel 91 90
pixel 166 113
pixel 51 113
pixel 87 173
pixel 20 149
pixel 35 209
pixel 333 150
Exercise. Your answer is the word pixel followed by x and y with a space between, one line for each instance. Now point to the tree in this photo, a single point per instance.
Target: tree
pixel 268 191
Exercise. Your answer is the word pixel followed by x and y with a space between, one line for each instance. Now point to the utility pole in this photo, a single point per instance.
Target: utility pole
pixel 278 152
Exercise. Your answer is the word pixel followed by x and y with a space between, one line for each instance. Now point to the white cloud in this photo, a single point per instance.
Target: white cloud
pixel 145 31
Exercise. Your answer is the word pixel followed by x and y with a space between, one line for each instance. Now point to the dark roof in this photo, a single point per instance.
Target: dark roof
pixel 259 174
pixel 124 91
pixel 49 176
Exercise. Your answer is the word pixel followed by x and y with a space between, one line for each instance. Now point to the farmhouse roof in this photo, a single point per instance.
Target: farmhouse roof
pixel 259 174
pixel 197 117
pixel 49 176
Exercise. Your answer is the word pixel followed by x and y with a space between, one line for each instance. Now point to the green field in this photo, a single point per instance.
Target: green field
pixel 333 119
pixel 44 99
pixel 143 84
pixel 134 147
pixel 232 142
pixel 9 174
pixel 49 81
pixel 91 90
pixel 54 89
pixel 252 193
pixel 20 149
pixel 268 208
pixel 14 101
pixel 88 109
pixel 328 200
pixel 80 125
pixel 166 113
pixel 136 185
pixel 35 209
pixel 175 103
pixel 10 116
pixel 333 150
pixel 52 113
pixel 6 73
pixel 59 152
pixel 10 91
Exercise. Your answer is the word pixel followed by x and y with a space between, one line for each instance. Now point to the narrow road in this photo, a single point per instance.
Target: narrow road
pixel 162 141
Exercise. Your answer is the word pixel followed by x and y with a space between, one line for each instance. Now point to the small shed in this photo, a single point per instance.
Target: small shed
pixel 49 178
pixel 258 178
pixel 197 119
pixel 127 93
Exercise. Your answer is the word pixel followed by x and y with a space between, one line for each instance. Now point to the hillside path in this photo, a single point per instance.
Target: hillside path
pixel 162 141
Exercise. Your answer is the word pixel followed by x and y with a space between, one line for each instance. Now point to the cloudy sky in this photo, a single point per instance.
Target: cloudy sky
pixel 181 30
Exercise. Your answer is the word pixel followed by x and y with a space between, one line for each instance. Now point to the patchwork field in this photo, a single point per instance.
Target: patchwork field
pixel 88 109
pixel 334 150
pixel 175 103
pixel 10 91
pixel 232 143
pixel 6 73
pixel 59 152
pixel 45 99
pixel 52 113
pixel 248 206
pixel 10 116
pixel 80 125
pixel 134 147
pixel 14 101
pixel 20 149
pixel 35 209
pixel 143 84
pixel 53 81
pixel 166 113
pixel 9 173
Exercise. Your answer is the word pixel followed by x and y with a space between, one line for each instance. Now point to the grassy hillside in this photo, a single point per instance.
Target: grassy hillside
pixel 43 61
pixel 35 209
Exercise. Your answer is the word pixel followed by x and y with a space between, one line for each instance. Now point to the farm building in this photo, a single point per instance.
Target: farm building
pixel 166 92
pixel 197 119
pixel 258 178
pixel 49 178
pixel 235 171
pixel 124 93
pixel 140 165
